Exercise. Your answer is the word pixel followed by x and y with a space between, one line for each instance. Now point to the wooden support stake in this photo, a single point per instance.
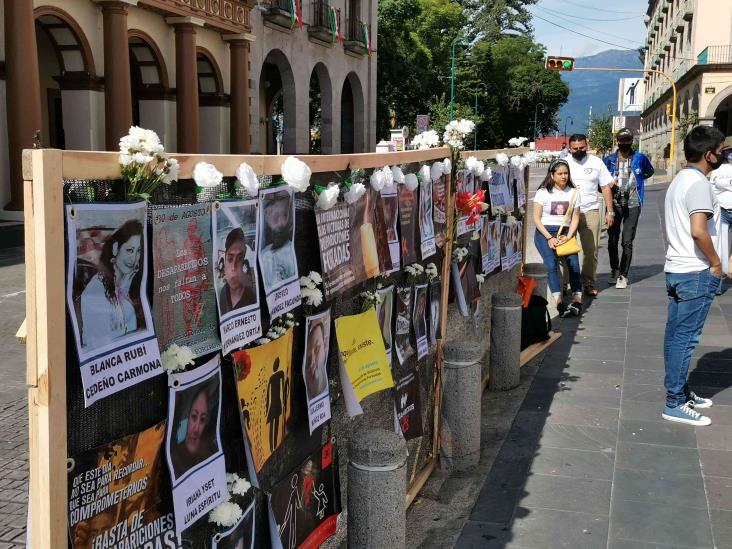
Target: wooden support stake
pixel 420 480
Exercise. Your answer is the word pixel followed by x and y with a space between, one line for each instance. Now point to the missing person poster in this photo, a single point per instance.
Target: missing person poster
pixel 234 225
pixel 517 177
pixel 193 445
pixel 407 406
pixel 419 319
pixel 465 289
pixel 264 388
pixel 439 210
pixel 277 259
pixel 184 307
pixel 390 201
pixel 426 223
pixel 519 246
pixel 119 494
pixel 511 245
pixel 490 246
pixel 463 182
pixel 364 238
pixel 498 190
pixel 106 297
pixel 239 536
pixel 361 347
pixel 377 217
pixel 435 308
pixel 334 236
pixel 403 323
pixel 304 506
pixel 315 368
pixel 409 224
pixel 385 314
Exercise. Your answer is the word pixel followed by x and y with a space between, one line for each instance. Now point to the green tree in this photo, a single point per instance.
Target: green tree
pixel 600 133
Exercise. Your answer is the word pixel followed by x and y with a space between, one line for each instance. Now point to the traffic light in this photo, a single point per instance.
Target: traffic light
pixel 559 63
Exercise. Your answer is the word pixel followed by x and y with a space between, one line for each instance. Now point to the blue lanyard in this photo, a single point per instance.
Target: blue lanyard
pixel 697 169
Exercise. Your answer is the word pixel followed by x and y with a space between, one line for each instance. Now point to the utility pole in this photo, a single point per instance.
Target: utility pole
pixel 475 132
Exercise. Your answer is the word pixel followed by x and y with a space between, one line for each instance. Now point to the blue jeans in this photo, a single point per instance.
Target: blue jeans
pixel 690 296
pixel 551 260
pixel 726 216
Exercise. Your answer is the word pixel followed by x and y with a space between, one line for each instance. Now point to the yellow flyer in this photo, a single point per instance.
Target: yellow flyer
pixel 362 350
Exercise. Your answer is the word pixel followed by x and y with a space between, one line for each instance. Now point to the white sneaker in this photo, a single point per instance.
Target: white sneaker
pixel 622 283
pixel 699 402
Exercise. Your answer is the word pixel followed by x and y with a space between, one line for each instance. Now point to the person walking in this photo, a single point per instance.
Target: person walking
pixel 589 174
pixel 556 217
pixel 630 169
pixel 563 152
pixel 693 269
pixel 721 179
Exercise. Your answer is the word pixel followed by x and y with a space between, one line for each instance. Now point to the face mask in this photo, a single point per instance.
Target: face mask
pixel 625 147
pixel 718 163
pixel 579 155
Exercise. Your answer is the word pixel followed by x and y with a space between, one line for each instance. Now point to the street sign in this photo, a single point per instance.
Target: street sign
pixel 630 95
pixel 554 63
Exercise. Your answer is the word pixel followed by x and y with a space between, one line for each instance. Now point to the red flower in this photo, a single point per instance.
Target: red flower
pixel 243 363
pixel 470 204
pixel 472 219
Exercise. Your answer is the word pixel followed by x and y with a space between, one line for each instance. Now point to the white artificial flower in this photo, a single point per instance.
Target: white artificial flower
pixel 377 180
pixel 296 173
pixel 206 175
pixel 510 220
pixel 125 159
pixel 240 487
pixel 470 163
pixel 173 171
pixel 356 191
pixel 411 182
pixel 388 176
pixel 307 282
pixel 426 140
pixel 248 179
pixel 530 157
pixel 262 340
pixel 486 174
pixel 315 277
pixel 328 197
pixel 480 278
pixel 475 235
pixel 397 175
pixel 186 356
pixel 141 158
pixel 447 166
pixel 502 159
pixel 312 296
pixel 170 360
pixel 516 161
pixel 225 514
pixel 436 171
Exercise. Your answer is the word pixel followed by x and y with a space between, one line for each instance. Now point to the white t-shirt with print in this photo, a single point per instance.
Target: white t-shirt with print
pixel 554 205
pixel 587 176
pixel 690 192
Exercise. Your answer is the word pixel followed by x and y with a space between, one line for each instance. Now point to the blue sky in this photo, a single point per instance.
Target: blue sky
pixel 619 22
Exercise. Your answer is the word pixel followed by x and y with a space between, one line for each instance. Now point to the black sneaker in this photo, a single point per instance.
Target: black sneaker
pixel 561 309
pixel 574 309
pixel 613 278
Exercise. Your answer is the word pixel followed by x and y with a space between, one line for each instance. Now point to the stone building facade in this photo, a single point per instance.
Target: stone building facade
pixel 209 76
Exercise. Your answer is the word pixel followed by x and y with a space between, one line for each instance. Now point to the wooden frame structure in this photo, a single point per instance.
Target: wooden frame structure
pixel 44 172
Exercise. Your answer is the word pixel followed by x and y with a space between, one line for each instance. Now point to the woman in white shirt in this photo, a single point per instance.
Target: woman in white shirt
pixel 721 180
pixel 556 195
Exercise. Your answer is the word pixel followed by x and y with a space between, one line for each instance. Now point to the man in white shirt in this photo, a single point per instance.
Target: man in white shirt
pixel 693 269
pixel 589 173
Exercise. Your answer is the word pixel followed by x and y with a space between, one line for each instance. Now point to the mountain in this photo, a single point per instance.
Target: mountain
pixel 596 89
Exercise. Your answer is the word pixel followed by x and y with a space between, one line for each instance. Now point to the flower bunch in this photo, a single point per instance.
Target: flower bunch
pixel 517 141
pixel 530 157
pixel 247 179
pixel 296 174
pixel 415 270
pixel 516 161
pixel 144 164
pixel 381 178
pixel 436 171
pixel 225 514
pixel 176 358
pixel 426 140
pixel 471 205
pixel 476 166
pixel 499 210
pixel 397 175
pixel 487 173
pixel 456 132
pixel 327 196
pixel 311 294
pixel 431 271
pixel 502 159
pixel 370 299
pixel 206 176
pixel 236 485
pixel 279 327
pixel 459 253
pixel 356 191
pixel 411 182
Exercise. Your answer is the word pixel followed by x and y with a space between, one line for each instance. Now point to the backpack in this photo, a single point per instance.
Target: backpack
pixel 536 323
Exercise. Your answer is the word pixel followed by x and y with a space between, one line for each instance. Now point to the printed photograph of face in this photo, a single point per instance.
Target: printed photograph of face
pixel 107 276
pixel 384 312
pixel 277 255
pixel 434 312
pixel 559 207
pixel 316 356
pixel 426 226
pixel 391 211
pixel 195 421
pixel 418 315
pixel 364 252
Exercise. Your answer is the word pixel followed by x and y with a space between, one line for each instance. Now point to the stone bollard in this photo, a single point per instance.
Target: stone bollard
pixel 505 341
pixel 377 490
pixel 538 271
pixel 460 412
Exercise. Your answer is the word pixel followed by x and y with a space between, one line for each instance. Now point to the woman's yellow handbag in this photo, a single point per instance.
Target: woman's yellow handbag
pixel 569 246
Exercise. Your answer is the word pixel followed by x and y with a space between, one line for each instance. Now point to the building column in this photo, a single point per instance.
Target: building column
pixel 186 82
pixel 117 84
pixel 23 90
pixel 240 124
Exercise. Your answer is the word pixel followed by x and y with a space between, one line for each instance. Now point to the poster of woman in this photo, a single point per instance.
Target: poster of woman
pixel 490 246
pixel 315 368
pixel 390 202
pixel 435 289
pixel 239 536
pixel 409 224
pixel 439 210
pixel 363 231
pixel 426 225
pixel 234 225
pixel 499 191
pixel 385 314
pixel 105 295
pixel 402 329
pixel 419 319
pixel 193 445
pixel 277 259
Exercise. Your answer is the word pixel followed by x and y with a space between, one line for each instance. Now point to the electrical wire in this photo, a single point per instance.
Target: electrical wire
pixel 577 4
pixel 556 13
pixel 585 35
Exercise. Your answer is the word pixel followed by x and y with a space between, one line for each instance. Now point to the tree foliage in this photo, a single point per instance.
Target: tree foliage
pixel 600 133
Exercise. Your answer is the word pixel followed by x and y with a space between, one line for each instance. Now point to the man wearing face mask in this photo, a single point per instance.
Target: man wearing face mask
pixel 630 169
pixel 589 173
pixel 693 269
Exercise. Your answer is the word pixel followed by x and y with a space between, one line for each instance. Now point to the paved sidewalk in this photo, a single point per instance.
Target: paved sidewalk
pixel 588 461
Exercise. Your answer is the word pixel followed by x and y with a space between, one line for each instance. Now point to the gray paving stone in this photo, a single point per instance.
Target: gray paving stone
pixel 649 432
pixel 720 414
pixel 618 543
pixel 716 463
pixel 583 415
pixel 550 529
pixel 644 393
pixel 643 377
pixel 495 504
pixel 605 398
pixel 482 535
pixel 574 437
pixel 567 494
pixel 671 460
pixel 659 488
pixel 719 492
pixel 722 528
pixel 715 437
pixel 574 463
pixel 576 365
pixel 644 363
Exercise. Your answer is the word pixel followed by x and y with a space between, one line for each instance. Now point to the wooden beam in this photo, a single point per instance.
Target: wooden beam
pixel 47 391
pixel 420 480
pixel 490 154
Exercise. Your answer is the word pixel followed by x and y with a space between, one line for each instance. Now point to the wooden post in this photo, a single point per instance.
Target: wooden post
pixel 46 351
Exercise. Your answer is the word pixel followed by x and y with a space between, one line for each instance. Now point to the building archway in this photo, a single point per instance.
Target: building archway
pixel 213 105
pixel 148 74
pixel 321 111
pixel 278 129
pixel 352 115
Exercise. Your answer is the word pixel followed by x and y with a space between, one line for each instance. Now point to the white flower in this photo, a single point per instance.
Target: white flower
pixel 225 514
pixel 486 174
pixel 356 191
pixel 307 282
pixel 140 140
pixel 312 296
pixel 248 179
pixel 240 487
pixel 502 159
pixel 315 277
pixel 377 180
pixel 426 140
pixel 176 358
pixel 530 157
pixel 475 235
pixel 510 220
pixel 388 176
pixel 459 254
pixel 517 141
pixel 206 175
pixel 125 159
pixel 296 174
pixel 397 175
pixel 173 171
pixel 328 197
pixel 436 171
pixel 425 175
pixel 185 356
pixel 474 165
pixel 499 209
pixel 447 166
pixel 411 182
pixel 480 278
pixel 141 158
pixel 516 161
pixel 262 340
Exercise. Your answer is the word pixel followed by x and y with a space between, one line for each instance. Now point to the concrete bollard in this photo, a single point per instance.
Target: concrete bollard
pixel 460 412
pixel 377 490
pixel 505 341
pixel 539 272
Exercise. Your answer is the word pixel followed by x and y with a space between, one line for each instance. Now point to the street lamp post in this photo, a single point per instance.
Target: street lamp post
pixel 565 125
pixel 475 132
pixel 536 116
pixel 455 42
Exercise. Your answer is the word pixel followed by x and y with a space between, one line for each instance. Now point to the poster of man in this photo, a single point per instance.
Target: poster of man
pixel 390 201
pixel 131 473
pixel 408 406
pixel 234 225
pixel 439 210
pixel 193 445
pixel 402 330
pixel 385 314
pixel 409 224
pixel 426 224
pixel 419 320
pixel 277 258
pixel 498 190
pixel 304 506
pixel 465 289
pixel 490 246
pixel 435 289
pixel 315 368
pixel 239 536
pixel 363 227
pixel 105 295
pixel 264 388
